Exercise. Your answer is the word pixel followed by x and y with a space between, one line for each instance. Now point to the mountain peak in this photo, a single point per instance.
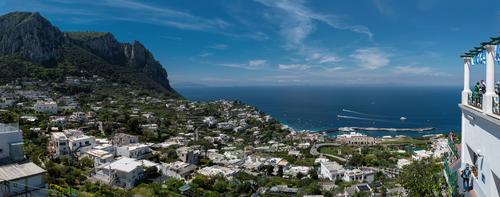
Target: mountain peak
pixel 30 36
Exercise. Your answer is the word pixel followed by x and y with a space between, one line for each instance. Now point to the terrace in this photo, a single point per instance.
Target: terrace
pixel 486 101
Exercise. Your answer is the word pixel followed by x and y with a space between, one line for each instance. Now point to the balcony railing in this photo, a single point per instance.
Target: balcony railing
pixel 475 100
pixel 452 178
pixel 454 150
pixel 496 105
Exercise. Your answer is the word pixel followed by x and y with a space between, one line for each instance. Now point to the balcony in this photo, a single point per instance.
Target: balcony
pixel 475 100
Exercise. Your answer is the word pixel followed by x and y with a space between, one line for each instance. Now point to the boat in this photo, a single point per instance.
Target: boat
pixel 402 118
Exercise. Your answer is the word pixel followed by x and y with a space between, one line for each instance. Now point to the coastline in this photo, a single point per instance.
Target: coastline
pixel 320 114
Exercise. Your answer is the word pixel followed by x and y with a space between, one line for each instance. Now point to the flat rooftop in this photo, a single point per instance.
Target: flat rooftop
pixel 123 164
pixel 135 146
pixel 8 127
pixel 19 170
pixel 99 153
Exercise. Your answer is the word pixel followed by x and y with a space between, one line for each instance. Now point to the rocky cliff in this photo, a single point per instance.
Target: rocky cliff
pixel 32 37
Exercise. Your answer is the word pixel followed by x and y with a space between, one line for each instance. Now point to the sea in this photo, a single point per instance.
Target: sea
pixel 324 108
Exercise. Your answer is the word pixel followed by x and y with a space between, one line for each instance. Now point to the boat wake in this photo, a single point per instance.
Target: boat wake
pixel 362 114
pixel 348 129
pixel 367 119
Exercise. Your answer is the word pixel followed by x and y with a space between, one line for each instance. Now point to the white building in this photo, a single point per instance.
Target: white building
pixel 295 170
pixel 403 162
pixel 228 158
pixel 18 177
pixel 124 172
pixel 137 150
pixel 421 154
pixel 331 170
pixel 359 175
pixel 211 171
pixel 10 136
pixel 70 141
pixel 58 144
pixel 440 147
pixel 99 156
pixel 81 143
pixel 49 107
pixel 253 163
pixel 188 154
pixel 178 169
pixel 124 139
pixel 106 147
pixel 209 121
pixel 304 145
pixel 481 125
pixel 77 117
pixel 354 138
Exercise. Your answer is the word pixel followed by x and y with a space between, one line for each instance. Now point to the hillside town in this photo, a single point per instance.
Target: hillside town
pixel 86 135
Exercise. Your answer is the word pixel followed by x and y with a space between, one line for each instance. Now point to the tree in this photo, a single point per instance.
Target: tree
pixel 280 171
pixel 133 125
pixel 380 176
pixel 151 173
pixel 421 178
pixel 244 188
pixel 8 117
pixel 356 160
pixel 269 169
pixel 221 186
pixel 313 173
pixel 300 175
pixel 172 184
pixel 203 182
pixel 313 189
pixel 86 162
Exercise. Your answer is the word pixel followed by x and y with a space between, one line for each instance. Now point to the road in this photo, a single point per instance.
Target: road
pixel 314 151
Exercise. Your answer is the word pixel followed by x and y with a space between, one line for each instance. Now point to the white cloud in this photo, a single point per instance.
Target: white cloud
pixel 293 66
pixel 419 70
pixel 250 65
pixel 297 21
pixel 206 54
pixel 279 79
pixel 383 8
pixel 371 58
pixel 257 63
pixel 167 16
pixel 412 70
pixel 328 59
pixel 171 37
pixel 219 46
pixel 133 11
pixel 333 69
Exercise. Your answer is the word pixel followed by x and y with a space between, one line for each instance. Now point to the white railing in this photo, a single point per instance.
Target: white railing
pixel 496 105
pixel 475 100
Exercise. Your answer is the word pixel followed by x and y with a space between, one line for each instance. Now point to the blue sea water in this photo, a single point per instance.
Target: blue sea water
pixel 318 108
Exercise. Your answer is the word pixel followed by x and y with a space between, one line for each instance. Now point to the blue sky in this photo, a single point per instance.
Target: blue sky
pixel 277 42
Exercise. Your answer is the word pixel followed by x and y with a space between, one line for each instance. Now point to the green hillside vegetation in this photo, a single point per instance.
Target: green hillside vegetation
pixel 75 62
pixel 85 36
